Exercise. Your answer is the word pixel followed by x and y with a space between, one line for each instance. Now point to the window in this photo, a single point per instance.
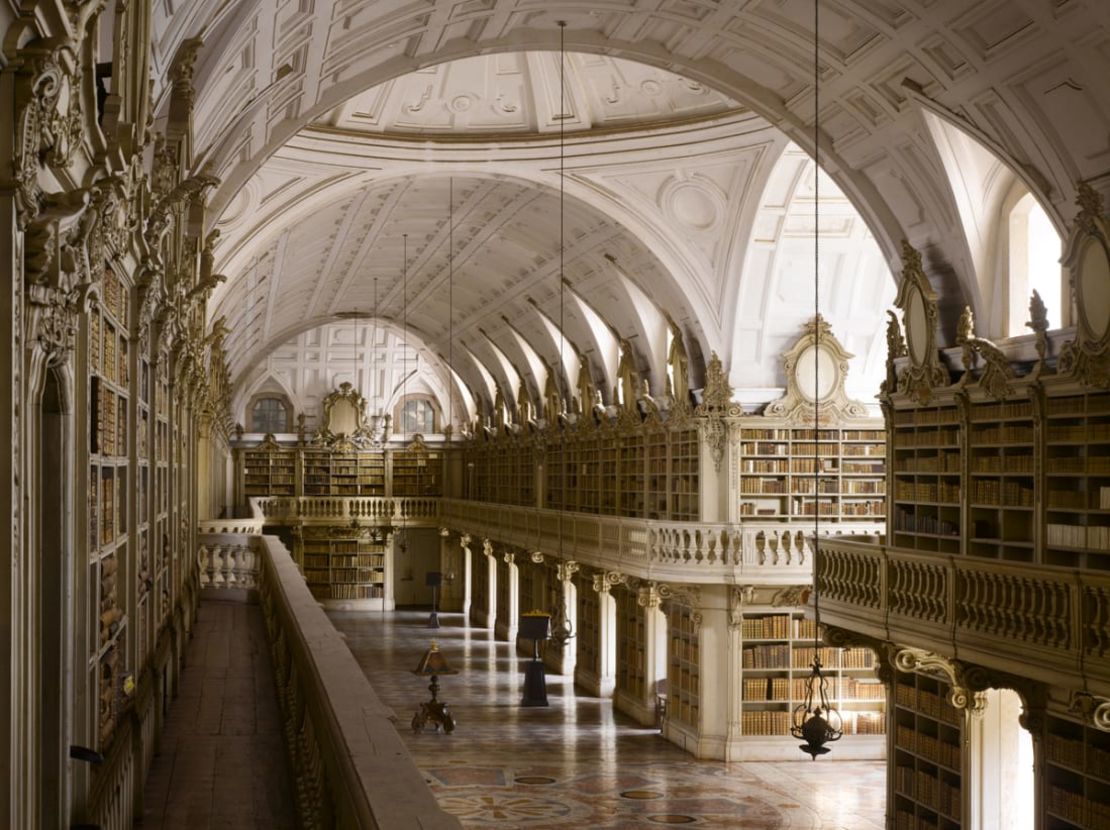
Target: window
pixel 1035 249
pixel 269 415
pixel 418 415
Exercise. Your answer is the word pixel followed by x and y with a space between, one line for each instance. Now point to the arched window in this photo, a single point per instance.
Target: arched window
pixel 417 415
pixel 269 415
pixel 1034 264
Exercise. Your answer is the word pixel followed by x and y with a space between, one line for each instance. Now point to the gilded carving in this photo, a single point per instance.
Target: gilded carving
pixel 798 402
pixel 1038 322
pixel 716 405
pixel 920 316
pixel 1087 258
pixel 997 372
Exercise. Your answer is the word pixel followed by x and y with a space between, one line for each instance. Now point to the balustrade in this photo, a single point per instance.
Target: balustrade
pixel 347 757
pixel 1049 620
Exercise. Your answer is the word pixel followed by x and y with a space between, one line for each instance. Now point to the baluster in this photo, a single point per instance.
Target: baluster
pixel 217 567
pixel 202 563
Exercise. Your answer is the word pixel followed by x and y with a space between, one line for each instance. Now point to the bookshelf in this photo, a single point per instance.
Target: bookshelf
pixel 631 646
pixel 1021 480
pixel 928 761
pixel 588 657
pixel 343 565
pixel 1076 785
pixel 109 474
pixel 269 470
pixel 418 471
pixel 776 467
pixel 777 652
pixel 683 668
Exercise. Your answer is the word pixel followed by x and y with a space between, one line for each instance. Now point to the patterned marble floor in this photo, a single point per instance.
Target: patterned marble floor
pixel 578 763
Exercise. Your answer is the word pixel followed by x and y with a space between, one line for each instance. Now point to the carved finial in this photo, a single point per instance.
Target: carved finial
pixel 911 257
pixel 1089 201
pixel 1038 322
pixel 895 343
pixel 965 329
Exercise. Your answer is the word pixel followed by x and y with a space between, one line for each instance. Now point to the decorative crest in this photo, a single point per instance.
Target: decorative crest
pixel 816 348
pixel 1087 258
pixel 918 303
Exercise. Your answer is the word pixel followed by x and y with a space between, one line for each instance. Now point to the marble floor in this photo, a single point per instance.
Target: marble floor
pixel 221 762
pixel 578 763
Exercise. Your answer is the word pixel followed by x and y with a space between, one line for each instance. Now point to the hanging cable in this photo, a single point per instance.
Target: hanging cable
pixel 450 303
pixel 562 278
pixel 817 325
pixel 404 332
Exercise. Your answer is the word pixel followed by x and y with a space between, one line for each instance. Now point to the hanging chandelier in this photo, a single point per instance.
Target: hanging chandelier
pixel 815 720
pixel 562 631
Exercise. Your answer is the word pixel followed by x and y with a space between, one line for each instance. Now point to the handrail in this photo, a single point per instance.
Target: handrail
pixel 665 550
pixel 1053 621
pixel 352 767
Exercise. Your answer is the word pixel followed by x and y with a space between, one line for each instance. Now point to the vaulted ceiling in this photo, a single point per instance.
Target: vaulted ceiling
pixel 321 119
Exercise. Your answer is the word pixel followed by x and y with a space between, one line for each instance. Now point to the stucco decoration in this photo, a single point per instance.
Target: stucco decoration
pixel 1087 258
pixel 816 367
pixel 920 317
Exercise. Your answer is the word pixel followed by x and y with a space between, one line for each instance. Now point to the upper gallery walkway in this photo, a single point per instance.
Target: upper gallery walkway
pixel 221 761
pixel 578 763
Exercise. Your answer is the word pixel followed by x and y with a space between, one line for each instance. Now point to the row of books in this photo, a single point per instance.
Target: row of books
pixel 926 702
pixel 928 747
pixel 928 789
pixel 1002 434
pixel 1077 808
pixel 1078 536
pixel 998 411
pixel 1009 463
pixel 933 437
pixel 927 417
pixel 942 462
pixel 909 522
pixel 786 689
pixel 776 627
pixel 939 491
pixel 1008 493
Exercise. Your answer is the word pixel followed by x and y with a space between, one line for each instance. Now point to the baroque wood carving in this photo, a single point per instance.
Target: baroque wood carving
pixel 997 372
pixel 1087 258
pixel 920 317
pixel 817 352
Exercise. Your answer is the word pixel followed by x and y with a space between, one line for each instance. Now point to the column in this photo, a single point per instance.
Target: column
pixel 561 659
pixel 484 611
pixel 455 591
pixel 719 667
pixel 508 606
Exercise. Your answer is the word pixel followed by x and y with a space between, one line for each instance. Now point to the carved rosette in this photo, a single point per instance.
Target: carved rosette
pixel 920 317
pixel 1087 258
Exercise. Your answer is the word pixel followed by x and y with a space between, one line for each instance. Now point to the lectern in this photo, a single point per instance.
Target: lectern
pixel 534 626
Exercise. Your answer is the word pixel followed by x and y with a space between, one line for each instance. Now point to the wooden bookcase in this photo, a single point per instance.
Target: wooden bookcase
pixel 418 472
pixel 777 652
pixel 777 468
pixel 929 755
pixel 631 645
pixel 1024 480
pixel 683 668
pixel 110 567
pixel 1076 786
pixel 344 565
pixel 589 636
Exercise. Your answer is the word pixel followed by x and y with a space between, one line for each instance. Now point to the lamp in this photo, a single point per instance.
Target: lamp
pixel 561 629
pixel 534 626
pixel 815 720
pixel 432 664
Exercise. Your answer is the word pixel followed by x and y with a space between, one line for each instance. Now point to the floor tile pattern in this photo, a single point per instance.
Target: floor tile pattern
pixel 221 762
pixel 578 763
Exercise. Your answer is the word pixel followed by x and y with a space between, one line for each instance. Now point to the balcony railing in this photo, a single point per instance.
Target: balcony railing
pixel 774 553
pixel 349 761
pixel 376 509
pixel 1052 622
pixel 691 552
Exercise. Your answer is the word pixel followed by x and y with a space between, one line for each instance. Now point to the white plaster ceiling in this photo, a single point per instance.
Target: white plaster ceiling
pixel 518 93
pixel 1025 76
